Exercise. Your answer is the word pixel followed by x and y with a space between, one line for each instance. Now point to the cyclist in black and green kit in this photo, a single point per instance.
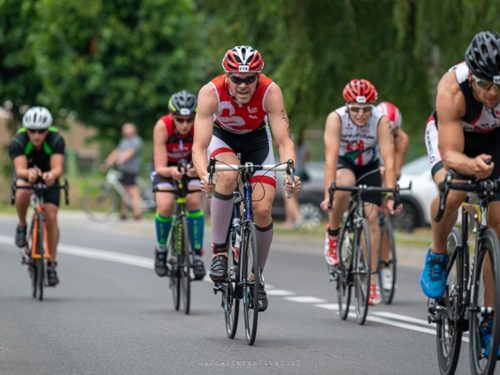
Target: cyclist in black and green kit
pixel 37 151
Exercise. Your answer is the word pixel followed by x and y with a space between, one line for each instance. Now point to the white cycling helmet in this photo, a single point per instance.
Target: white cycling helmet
pixel 37 118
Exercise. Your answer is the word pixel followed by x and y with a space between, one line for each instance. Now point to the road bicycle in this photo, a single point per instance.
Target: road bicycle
pixel 387 259
pixel 101 199
pixel 354 251
pixel 243 271
pixel 472 293
pixel 180 254
pixel 36 252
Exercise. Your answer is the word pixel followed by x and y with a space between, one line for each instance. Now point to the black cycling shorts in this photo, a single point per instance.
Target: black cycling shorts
pixel 368 175
pixel 128 179
pixel 51 195
pixel 489 143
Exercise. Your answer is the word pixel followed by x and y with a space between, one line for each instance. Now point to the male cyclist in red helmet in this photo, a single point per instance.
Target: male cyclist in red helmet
pixel 400 137
pixel 234 113
pixel 353 135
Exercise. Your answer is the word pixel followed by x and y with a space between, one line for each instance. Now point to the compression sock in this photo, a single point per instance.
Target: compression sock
pixel 196 226
pixel 163 225
pixel 264 238
pixel 221 212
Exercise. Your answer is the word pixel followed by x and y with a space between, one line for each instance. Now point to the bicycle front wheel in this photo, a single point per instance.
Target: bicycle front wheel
pixel 387 262
pixel 362 270
pixel 40 252
pixel 451 311
pixel 185 268
pixel 249 259
pixel 175 275
pixel 100 201
pixel 344 274
pixel 484 322
pixel 230 299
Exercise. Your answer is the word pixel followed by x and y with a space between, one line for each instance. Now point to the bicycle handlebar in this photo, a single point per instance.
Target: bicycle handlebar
pixel 38 187
pixel 481 187
pixel 158 190
pixel 369 189
pixel 213 167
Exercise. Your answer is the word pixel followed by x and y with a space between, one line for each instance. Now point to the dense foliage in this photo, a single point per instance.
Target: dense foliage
pixel 107 61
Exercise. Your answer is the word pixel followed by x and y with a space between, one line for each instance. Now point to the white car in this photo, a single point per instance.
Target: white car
pixel 417 202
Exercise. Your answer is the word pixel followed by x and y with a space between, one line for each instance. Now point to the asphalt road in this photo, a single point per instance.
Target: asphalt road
pixel 112 315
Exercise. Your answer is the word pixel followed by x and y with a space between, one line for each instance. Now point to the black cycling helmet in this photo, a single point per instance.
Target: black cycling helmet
pixel 182 103
pixel 483 56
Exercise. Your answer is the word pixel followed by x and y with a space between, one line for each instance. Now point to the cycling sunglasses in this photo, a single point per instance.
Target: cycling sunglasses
pixel 182 120
pixel 246 80
pixel 356 109
pixel 37 131
pixel 485 85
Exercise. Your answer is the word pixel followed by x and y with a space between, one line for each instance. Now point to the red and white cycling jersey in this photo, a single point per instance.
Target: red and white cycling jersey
pixel 239 118
pixel 359 143
pixel 178 146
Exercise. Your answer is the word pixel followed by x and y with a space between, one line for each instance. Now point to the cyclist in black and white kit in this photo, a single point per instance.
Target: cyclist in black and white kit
pixel 463 134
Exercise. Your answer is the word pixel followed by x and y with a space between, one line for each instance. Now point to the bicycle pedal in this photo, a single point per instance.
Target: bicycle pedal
pixel 219 288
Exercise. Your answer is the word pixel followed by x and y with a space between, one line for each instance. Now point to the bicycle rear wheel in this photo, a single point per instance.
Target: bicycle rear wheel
pixel 485 301
pixel 362 273
pixel 387 269
pixel 451 310
pixel 250 264
pixel 344 275
pixel 100 201
pixel 230 299
pixel 185 268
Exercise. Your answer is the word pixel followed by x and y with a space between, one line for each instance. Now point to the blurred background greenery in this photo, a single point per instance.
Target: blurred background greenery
pixel 104 62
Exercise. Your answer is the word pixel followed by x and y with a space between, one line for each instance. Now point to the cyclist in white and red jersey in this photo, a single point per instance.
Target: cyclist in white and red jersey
pixel 172 141
pixel 353 135
pixel 234 113
pixel 395 118
pixel 463 134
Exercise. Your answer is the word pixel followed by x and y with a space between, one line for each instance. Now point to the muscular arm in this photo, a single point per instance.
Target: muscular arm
pixel 57 165
pixel 401 141
pixel 21 167
pixel 280 127
pixel 159 150
pixel 207 106
pixel 386 145
pixel 450 107
pixel 331 138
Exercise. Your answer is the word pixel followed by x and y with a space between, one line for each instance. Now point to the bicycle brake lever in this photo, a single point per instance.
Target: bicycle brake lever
pixel 290 170
pixel 331 191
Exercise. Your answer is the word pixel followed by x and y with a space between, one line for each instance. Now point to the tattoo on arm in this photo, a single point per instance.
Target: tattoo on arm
pixel 284 116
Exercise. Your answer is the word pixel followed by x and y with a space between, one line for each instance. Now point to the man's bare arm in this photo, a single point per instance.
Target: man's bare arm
pixel 207 106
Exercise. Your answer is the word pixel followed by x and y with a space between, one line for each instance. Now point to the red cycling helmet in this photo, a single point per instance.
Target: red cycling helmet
pixel 242 59
pixel 393 114
pixel 360 91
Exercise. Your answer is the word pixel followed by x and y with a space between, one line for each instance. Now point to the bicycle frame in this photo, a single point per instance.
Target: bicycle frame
pixel 113 179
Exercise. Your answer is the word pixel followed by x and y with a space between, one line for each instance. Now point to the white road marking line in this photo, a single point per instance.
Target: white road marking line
pixel 328 306
pixel 381 317
pixel 86 252
pixel 404 318
pixel 305 299
pixel 279 293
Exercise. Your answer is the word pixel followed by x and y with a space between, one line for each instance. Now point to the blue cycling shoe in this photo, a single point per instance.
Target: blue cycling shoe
pixel 485 337
pixel 433 277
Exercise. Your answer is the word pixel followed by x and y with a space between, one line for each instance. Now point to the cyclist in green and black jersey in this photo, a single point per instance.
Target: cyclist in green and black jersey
pixel 37 151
